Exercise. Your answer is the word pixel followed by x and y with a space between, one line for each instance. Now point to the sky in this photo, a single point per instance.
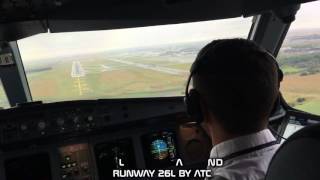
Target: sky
pixel 52 45
pixel 308 16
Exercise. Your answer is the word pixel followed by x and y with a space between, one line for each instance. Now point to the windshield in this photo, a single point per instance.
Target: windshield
pixel 125 63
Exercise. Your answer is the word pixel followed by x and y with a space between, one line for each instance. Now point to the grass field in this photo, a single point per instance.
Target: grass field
pixel 302 92
pixel 117 81
pixel 299 58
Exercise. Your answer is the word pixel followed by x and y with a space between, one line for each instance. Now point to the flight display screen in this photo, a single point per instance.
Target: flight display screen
pixel 31 167
pixel 118 154
pixel 160 149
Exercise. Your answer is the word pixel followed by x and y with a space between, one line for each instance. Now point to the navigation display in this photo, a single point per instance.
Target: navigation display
pixel 31 167
pixel 118 154
pixel 160 149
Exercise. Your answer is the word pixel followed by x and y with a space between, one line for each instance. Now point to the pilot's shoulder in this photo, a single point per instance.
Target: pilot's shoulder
pixel 249 168
pixel 217 178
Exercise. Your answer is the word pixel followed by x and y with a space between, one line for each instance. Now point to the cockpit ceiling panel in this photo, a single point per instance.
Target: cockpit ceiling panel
pixel 80 15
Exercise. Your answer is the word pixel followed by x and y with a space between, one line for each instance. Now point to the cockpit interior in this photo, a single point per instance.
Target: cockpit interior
pixel 92 86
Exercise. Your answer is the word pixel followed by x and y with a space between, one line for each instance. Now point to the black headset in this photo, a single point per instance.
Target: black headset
pixel 192 96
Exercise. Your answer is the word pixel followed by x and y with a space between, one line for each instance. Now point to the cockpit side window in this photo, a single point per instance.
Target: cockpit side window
pixel 4 103
pixel 299 58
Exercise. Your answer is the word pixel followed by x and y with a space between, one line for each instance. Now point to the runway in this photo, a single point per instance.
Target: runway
pixel 78 73
pixel 152 67
pixel 77 70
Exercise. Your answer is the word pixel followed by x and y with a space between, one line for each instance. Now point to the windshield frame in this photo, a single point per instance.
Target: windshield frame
pixel 151 96
pixel 253 32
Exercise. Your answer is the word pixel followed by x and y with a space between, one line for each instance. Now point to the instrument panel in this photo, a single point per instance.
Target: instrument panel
pixel 87 140
pixel 38 121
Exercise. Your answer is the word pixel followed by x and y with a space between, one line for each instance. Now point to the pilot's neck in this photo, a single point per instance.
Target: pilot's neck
pixel 218 135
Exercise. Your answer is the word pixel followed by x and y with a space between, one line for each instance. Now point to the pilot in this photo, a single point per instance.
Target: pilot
pixel 235 87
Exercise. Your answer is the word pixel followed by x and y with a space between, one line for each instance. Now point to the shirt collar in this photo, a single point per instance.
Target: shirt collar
pixel 240 143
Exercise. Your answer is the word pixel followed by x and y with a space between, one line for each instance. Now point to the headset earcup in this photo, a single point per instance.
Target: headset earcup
pixel 277 103
pixel 280 75
pixel 193 106
pixel 276 106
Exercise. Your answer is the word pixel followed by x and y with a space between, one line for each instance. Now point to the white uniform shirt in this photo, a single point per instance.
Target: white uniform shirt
pixel 249 166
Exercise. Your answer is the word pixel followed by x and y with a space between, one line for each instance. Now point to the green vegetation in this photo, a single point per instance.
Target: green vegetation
pixel 311 107
pixel 291 70
pixel 304 64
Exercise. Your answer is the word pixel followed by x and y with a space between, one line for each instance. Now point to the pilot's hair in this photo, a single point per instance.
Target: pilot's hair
pixel 238 83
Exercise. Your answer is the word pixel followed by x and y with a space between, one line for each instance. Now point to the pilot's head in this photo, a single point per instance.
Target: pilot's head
pixel 237 84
